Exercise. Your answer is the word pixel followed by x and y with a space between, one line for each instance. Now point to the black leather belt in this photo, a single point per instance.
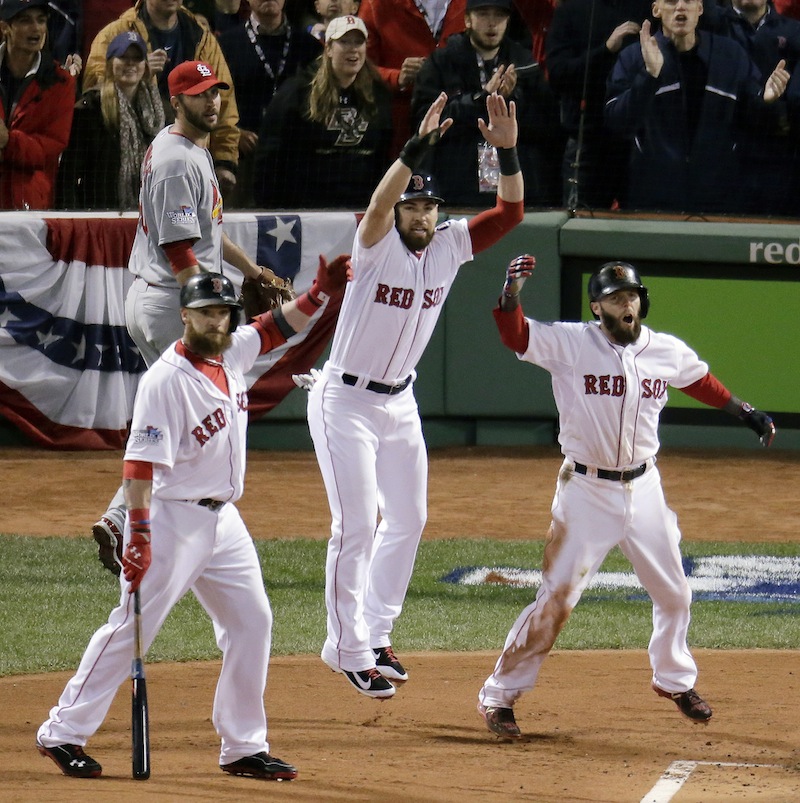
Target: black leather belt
pixel 616 476
pixel 212 504
pixel 378 387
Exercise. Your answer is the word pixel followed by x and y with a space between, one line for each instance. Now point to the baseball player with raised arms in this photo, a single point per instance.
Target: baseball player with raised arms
pixel 183 472
pixel 610 379
pixel 179 234
pixel 362 413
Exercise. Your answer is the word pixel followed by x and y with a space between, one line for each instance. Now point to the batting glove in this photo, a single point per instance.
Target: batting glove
pixel 136 559
pixel 759 422
pixel 519 269
pixel 306 381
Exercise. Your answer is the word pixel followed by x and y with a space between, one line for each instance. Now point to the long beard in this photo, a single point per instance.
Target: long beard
pixel 620 334
pixel 206 344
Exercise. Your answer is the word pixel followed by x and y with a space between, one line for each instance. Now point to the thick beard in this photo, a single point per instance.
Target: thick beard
pixel 617 332
pixel 206 344
pixel 416 242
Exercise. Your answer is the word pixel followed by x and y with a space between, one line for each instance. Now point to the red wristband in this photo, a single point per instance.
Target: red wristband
pixel 308 304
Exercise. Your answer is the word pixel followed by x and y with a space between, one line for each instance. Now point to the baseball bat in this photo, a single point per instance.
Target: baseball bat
pixel 140 721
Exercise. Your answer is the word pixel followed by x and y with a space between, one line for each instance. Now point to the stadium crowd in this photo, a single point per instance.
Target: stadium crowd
pixel 673 106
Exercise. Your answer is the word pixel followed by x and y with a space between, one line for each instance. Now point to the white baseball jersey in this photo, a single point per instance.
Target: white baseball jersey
pixel 179 200
pixel 194 434
pixel 391 307
pixel 370 445
pixel 179 423
pixel 610 397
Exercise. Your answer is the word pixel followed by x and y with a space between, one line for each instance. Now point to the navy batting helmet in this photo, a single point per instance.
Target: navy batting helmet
pixel 210 290
pixel 613 276
pixel 421 186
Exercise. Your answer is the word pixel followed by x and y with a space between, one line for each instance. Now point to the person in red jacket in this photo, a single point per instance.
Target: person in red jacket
pixel 402 33
pixel 36 109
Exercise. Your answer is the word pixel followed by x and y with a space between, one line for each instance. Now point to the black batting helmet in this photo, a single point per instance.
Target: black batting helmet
pixel 615 276
pixel 210 290
pixel 421 186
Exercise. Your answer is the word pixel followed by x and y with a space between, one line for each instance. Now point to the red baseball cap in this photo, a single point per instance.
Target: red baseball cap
pixel 193 78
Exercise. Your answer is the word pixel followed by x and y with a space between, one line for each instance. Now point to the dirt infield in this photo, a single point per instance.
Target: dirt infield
pixel 593 729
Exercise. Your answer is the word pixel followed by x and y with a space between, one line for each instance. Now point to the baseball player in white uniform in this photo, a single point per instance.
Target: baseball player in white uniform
pixel 610 380
pixel 179 234
pixel 183 471
pixel 362 413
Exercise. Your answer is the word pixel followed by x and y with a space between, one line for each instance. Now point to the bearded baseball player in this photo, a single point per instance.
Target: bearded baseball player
pixel 610 379
pixel 362 413
pixel 179 234
pixel 183 472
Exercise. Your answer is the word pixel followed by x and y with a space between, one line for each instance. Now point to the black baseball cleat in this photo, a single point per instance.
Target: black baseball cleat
pixel 261 765
pixel 500 721
pixel 690 703
pixel 387 664
pixel 371 683
pixel 72 760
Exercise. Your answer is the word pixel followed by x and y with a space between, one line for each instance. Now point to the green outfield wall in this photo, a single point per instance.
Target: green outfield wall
pixel 730 290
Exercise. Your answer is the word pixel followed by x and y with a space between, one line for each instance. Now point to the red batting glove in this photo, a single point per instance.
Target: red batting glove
pixel 332 278
pixel 136 560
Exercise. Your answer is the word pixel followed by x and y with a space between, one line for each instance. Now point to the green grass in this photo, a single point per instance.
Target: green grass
pixel 54 594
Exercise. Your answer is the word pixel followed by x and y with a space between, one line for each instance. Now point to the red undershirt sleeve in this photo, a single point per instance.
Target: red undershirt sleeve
pixel 271 336
pixel 708 390
pixel 180 255
pixel 137 470
pixel 513 329
pixel 486 228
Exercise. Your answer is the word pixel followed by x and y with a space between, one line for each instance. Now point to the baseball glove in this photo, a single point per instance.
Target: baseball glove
pixel 264 293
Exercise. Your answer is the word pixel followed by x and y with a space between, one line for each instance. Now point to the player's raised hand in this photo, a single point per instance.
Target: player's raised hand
pixel 332 277
pixel 432 121
pixel 501 130
pixel 759 422
pixel 519 269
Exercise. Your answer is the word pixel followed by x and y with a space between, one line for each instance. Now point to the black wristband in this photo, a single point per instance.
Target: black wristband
pixel 415 150
pixel 284 327
pixel 508 159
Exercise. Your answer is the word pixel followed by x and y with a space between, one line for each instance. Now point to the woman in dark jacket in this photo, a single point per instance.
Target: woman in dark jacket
pixel 112 128
pixel 325 137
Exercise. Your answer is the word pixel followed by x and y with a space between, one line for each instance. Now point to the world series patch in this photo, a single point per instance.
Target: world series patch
pixel 147 435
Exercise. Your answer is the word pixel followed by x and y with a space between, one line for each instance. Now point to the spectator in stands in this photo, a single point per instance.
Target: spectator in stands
pixel 36 111
pixel 402 34
pixel 770 150
pixel 174 35
pixel 326 10
pixel 325 137
pixel 113 125
pixel 262 52
pixel 584 40
pixel 468 69
pixel 678 96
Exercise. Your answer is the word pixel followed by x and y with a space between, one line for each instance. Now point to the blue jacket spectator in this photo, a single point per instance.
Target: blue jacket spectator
pixel 682 97
pixel 770 154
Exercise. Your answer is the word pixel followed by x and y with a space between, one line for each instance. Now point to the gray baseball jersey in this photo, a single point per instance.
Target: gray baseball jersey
pixel 179 200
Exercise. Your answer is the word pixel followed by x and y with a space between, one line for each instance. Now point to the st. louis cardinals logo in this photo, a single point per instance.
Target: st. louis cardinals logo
pixel 204 70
